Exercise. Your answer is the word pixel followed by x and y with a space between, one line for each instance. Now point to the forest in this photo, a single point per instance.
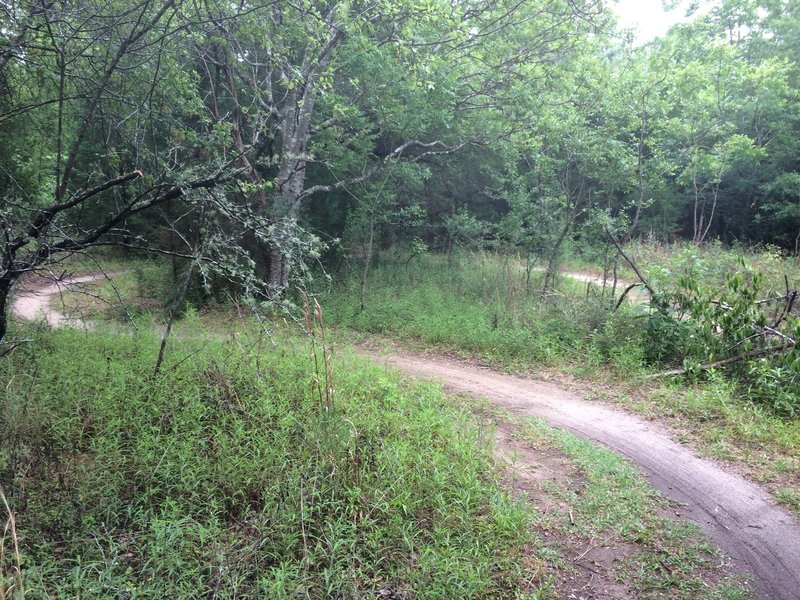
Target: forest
pixel 274 193
pixel 292 133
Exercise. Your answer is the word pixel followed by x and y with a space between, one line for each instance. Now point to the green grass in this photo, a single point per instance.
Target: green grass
pixel 135 289
pixel 226 477
pixel 715 262
pixel 609 506
pixel 616 505
pixel 483 306
pixel 663 262
pixel 479 306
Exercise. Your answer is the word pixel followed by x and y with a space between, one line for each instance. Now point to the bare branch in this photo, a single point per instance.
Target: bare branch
pixel 632 264
pixel 396 153
pixel 45 216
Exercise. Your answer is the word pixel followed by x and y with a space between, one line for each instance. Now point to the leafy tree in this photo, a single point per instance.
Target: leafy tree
pixel 105 129
pixel 569 164
pixel 730 119
pixel 281 79
pixel 321 96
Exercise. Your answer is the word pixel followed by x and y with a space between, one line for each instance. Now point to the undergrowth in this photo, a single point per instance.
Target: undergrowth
pixel 486 305
pixel 225 476
pixel 671 557
pixel 489 306
pixel 716 261
pixel 481 306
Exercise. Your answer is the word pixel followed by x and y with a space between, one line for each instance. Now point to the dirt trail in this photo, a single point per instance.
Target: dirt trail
pixel 638 294
pixel 762 538
pixel 34 302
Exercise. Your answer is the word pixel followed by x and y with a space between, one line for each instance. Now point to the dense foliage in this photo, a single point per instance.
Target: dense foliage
pixel 504 123
pixel 243 140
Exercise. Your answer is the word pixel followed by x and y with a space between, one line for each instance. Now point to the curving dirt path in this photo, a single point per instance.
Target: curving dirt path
pixel 33 302
pixel 762 538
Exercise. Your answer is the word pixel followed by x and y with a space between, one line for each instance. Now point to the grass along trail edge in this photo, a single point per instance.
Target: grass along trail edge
pixel 750 559
pixel 739 516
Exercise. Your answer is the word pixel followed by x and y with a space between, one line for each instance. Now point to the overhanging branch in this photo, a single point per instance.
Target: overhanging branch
pixel 396 153
pixel 45 216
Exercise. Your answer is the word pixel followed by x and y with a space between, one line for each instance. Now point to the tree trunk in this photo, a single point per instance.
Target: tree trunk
pixel 698 214
pixel 280 254
pixel 555 252
pixel 285 213
pixel 7 282
pixel 5 290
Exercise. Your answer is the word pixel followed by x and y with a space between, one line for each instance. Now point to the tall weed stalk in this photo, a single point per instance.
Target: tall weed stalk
pixel 10 567
pixel 315 330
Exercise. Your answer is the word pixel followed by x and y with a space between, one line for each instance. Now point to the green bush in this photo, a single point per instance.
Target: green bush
pixel 704 324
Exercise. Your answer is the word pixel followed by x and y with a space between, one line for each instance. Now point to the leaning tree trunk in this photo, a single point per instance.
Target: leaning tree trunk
pixel 5 290
pixel 555 254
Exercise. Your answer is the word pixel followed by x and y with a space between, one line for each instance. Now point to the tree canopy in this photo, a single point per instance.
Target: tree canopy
pixel 248 134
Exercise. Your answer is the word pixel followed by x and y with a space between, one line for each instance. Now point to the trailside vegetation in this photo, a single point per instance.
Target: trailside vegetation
pixel 251 140
pixel 423 168
pixel 230 475
pixel 692 314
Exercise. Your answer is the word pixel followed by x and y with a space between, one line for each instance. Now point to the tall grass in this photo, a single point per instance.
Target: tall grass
pixel 487 305
pixel 479 304
pixel 225 477
pixel 10 560
pixel 714 262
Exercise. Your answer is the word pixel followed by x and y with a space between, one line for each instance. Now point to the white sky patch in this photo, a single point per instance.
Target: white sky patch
pixel 648 18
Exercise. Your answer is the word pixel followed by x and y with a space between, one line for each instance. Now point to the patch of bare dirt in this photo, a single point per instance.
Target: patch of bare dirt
pixel 32 301
pixel 531 471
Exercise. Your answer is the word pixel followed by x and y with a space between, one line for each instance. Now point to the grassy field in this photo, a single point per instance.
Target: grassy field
pixel 234 473
pixel 130 291
pixel 226 476
pixel 482 305
pixel 714 262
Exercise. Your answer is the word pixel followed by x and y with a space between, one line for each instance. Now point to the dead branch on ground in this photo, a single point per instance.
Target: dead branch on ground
pixel 727 361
